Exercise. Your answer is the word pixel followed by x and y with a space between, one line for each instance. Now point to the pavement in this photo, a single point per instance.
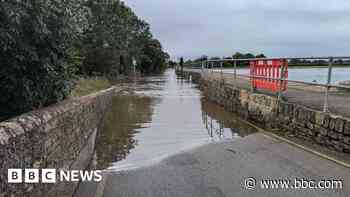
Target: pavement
pixel 220 169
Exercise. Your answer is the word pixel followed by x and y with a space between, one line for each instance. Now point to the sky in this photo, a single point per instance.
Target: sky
pixel 277 28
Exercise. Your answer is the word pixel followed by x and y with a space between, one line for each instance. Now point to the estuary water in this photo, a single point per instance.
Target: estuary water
pixel 314 74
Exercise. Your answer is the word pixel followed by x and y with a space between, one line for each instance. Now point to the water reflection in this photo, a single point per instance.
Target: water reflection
pixel 222 125
pixel 129 112
pixel 160 116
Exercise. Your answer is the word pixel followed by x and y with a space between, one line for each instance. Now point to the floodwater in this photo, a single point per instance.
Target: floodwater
pixel 314 74
pixel 157 117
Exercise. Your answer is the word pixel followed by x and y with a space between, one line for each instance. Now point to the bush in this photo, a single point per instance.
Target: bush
pixel 44 43
pixel 34 38
pixel 86 86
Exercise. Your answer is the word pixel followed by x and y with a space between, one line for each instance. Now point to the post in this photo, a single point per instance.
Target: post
pixel 182 65
pixel 279 97
pixel 211 127
pixel 221 66
pixel 235 70
pixel 251 78
pixel 134 65
pixel 329 80
pixel 202 67
pixel 206 68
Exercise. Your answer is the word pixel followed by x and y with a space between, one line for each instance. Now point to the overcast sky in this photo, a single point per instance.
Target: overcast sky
pixel 192 28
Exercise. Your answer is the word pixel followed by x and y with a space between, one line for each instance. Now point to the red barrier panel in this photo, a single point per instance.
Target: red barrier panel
pixel 269 69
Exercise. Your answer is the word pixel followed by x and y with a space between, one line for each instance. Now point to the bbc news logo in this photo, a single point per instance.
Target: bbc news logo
pixel 52 176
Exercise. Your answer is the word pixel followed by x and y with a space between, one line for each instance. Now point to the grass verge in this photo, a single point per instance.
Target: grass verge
pixel 88 86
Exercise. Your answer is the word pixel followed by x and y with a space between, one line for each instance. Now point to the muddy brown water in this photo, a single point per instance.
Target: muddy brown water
pixel 159 116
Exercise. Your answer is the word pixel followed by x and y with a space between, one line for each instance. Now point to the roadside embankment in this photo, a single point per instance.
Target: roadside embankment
pixel 86 86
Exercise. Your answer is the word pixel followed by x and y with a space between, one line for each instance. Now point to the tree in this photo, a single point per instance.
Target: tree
pixel 116 34
pixel 227 64
pixel 172 63
pixel 153 58
pixel 215 58
pixel 249 56
pixel 35 38
pixel 45 43
pixel 294 61
pixel 238 55
pixel 260 56
pixel 202 58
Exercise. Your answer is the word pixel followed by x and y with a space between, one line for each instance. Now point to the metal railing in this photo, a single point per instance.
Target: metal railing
pixel 209 65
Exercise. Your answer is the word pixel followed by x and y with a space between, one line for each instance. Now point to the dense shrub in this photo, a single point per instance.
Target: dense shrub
pixel 115 36
pixel 153 58
pixel 34 37
pixel 45 43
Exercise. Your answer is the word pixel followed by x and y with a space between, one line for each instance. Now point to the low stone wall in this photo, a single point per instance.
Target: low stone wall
pixel 323 128
pixel 57 137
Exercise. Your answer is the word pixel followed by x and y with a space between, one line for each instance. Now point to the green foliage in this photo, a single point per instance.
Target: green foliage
pixel 153 58
pixel 172 63
pixel 87 86
pixel 116 35
pixel 229 64
pixel 202 58
pixel 44 44
pixel 34 40
pixel 238 55
pixel 260 56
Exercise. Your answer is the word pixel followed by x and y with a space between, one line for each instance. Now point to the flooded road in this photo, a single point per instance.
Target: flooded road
pixel 161 138
pixel 160 116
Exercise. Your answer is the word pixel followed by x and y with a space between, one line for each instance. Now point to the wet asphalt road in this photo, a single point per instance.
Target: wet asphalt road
pixel 219 169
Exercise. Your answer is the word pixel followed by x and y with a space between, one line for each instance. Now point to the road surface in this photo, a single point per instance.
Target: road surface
pixel 220 169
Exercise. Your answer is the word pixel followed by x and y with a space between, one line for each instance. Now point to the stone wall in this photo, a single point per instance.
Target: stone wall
pixel 57 137
pixel 325 129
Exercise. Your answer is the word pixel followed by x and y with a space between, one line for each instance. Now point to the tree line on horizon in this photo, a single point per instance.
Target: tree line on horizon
pixel 46 44
pixel 236 55
pixel 292 62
